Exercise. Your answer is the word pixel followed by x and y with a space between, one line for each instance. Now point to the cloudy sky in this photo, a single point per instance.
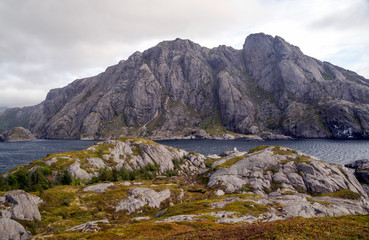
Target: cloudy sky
pixel 46 44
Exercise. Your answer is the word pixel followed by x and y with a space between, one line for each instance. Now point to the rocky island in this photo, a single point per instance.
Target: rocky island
pixel 17 134
pixel 136 188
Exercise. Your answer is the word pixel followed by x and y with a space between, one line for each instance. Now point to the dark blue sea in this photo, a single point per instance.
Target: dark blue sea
pixel 17 153
pixel 337 151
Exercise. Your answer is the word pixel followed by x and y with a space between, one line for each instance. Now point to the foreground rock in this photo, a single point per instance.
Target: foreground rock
pixel 140 197
pixel 266 169
pixel 11 230
pixel 21 206
pixel 17 134
pixel 361 169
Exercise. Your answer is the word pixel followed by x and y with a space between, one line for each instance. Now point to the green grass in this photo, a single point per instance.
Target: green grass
pixel 230 162
pixel 347 227
pixel 258 148
pixel 345 194
pixel 320 202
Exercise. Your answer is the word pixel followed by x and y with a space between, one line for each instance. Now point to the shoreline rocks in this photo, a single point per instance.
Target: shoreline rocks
pixel 361 168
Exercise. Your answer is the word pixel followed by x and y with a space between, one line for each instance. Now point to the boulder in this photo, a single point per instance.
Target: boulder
pixel 99 188
pixel 11 230
pixel 140 197
pixel 24 206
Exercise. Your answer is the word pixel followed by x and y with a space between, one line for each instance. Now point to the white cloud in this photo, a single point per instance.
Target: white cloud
pixel 47 44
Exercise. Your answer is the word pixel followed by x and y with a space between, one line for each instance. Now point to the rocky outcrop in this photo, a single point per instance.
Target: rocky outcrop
pixel 99 188
pixel 361 169
pixel 17 205
pixel 280 207
pixel 89 226
pixel 179 89
pixel 131 154
pixel 10 229
pixel 17 134
pixel 24 206
pixel 266 169
pixel 140 197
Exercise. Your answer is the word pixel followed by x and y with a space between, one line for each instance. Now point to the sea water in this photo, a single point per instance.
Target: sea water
pixel 17 153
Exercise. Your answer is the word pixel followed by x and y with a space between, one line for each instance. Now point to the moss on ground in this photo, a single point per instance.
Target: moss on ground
pixel 345 194
pixel 257 149
pixel 230 162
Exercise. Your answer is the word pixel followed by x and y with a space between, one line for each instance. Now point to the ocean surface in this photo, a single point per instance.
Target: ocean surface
pixel 17 153
pixel 337 151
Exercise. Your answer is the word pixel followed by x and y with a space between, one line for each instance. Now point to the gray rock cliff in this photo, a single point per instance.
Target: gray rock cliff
pixel 178 86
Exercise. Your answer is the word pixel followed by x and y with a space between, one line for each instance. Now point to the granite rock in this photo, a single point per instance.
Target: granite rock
pixel 278 167
pixel 178 89
pixel 12 230
pixel 140 197
pixel 24 206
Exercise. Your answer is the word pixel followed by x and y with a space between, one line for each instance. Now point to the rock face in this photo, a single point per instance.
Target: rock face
pixel 282 207
pixel 99 188
pixel 140 197
pixel 179 87
pixel 17 134
pixel 265 170
pixel 361 169
pixel 10 229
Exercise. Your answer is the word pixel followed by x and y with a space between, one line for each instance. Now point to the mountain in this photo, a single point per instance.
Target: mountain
pixel 179 87
pixel 2 109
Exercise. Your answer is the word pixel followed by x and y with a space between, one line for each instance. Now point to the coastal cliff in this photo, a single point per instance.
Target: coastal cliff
pixel 179 89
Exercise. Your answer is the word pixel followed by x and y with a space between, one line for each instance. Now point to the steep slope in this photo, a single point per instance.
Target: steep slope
pixel 178 87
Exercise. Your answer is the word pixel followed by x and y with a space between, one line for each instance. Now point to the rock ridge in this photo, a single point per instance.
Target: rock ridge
pixel 178 87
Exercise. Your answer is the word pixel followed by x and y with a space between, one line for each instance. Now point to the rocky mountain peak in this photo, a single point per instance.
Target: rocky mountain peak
pixel 178 87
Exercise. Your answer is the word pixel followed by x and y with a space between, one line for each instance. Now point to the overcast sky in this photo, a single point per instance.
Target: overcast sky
pixel 47 44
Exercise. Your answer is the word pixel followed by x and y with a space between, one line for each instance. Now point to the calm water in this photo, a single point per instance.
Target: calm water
pixel 14 154
pixel 338 151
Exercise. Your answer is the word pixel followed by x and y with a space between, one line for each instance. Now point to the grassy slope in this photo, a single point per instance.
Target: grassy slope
pixel 68 206
pixel 64 207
